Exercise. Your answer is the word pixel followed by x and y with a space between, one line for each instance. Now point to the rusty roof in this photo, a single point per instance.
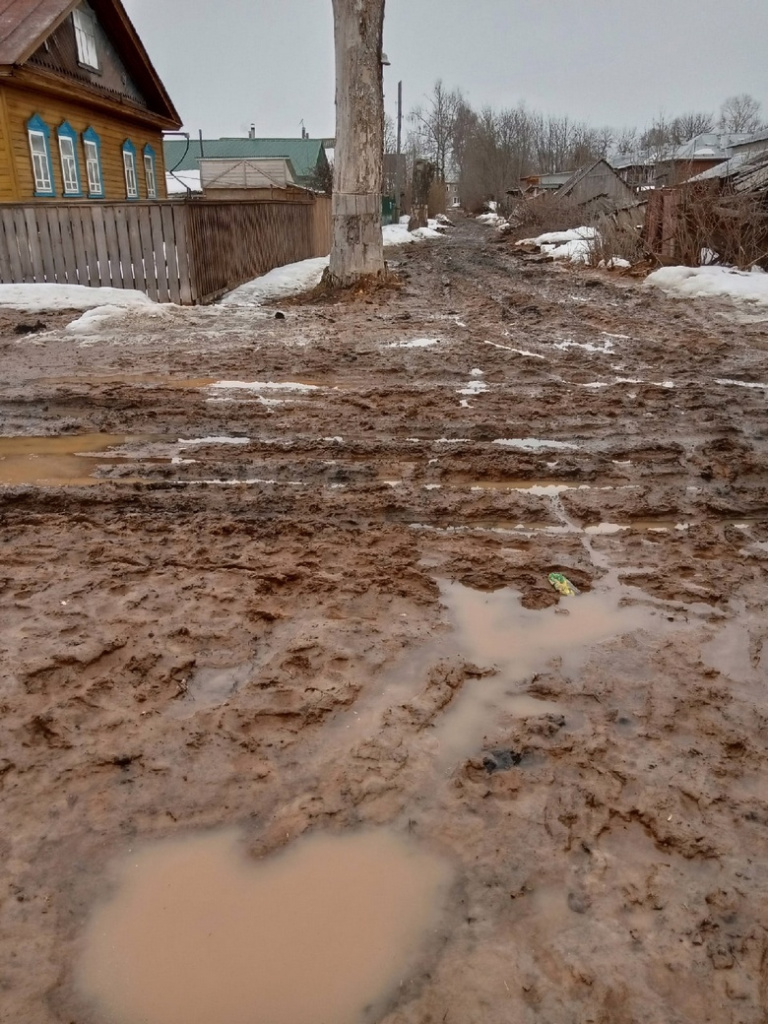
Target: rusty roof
pixel 25 24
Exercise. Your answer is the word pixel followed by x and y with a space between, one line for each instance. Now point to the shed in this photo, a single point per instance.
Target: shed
pixel 597 186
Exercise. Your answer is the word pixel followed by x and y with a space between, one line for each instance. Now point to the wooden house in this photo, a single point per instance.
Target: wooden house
pixel 82 110
pixel 597 188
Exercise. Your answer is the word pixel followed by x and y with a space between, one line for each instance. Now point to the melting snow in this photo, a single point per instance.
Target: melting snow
pixel 711 282
pixel 531 443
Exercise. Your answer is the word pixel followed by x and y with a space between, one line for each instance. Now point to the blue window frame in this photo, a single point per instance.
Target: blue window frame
pixel 150 174
pixel 129 169
pixel 70 169
pixel 94 177
pixel 39 136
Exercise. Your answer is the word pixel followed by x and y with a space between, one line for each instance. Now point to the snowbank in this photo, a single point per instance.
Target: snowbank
pixel 711 282
pixel 279 283
pixel 574 244
pixel 37 298
pixel 296 278
pixel 398 234
pixel 492 220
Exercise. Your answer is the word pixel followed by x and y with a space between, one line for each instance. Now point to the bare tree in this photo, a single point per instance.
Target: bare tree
pixel 688 126
pixel 740 114
pixel 357 249
pixel 434 125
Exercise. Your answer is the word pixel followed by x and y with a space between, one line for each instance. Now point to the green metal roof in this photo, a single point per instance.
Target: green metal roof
pixel 305 154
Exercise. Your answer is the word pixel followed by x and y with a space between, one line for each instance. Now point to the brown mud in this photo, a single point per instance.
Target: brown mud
pixel 291 611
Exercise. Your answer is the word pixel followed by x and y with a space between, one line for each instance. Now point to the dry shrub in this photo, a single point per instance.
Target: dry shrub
pixel 616 240
pixel 704 223
pixel 531 217
pixel 730 228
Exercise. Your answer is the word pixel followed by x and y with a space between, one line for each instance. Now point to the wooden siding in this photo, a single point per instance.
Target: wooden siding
pixel 113 130
pixel 184 252
pixel 8 190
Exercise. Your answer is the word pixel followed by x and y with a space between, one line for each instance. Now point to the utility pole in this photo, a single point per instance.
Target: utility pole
pixel 398 180
pixel 356 251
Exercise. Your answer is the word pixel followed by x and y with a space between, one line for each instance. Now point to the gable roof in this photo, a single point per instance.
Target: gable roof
pixel 26 24
pixel 583 172
pixel 304 154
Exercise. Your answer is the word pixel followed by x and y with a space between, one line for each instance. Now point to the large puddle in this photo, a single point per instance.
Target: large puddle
pixel 494 629
pixel 199 933
pixel 56 460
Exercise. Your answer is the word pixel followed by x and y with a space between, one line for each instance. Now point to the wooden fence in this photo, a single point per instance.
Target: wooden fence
pixel 176 251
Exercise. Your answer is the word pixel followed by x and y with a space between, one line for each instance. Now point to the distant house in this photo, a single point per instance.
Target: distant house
pixel 637 171
pixel 452 198
pixel 597 187
pixel 745 165
pixel 699 154
pixel 534 185
pixel 82 109
pixel 307 157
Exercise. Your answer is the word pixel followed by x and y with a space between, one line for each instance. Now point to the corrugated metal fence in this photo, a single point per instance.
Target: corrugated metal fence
pixel 184 252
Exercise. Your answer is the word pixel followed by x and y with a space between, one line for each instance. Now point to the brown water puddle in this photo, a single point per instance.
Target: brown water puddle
pixel 199 933
pixel 57 460
pixel 493 629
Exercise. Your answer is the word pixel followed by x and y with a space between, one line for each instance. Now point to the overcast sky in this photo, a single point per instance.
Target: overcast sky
pixel 608 62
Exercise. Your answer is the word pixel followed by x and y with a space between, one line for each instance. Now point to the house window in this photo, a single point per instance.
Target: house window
pixel 92 145
pixel 129 166
pixel 149 172
pixel 85 36
pixel 70 173
pixel 39 135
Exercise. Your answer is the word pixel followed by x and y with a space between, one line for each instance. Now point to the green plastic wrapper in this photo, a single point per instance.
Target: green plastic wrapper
pixel 562 584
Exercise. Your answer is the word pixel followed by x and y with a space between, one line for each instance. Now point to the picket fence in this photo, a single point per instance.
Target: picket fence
pixel 187 252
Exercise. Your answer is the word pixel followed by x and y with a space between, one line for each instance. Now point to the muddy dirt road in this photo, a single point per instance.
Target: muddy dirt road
pixel 288 577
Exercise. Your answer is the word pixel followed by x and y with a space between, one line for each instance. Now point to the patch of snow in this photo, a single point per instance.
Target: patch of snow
pixel 531 443
pixel 491 220
pixel 474 387
pixel 214 440
pixel 614 263
pixel 278 283
pixel 710 282
pixel 605 349
pixel 415 343
pixel 561 237
pixel 517 351
pixel 740 383
pixel 39 298
pixel 260 385
pixel 476 373
pixel 574 244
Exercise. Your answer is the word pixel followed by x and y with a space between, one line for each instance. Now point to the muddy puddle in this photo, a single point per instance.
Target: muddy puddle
pixel 70 460
pixel 197 932
pixel 494 629
pixel 209 688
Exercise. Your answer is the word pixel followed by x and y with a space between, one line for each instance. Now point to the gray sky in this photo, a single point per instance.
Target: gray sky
pixel 604 61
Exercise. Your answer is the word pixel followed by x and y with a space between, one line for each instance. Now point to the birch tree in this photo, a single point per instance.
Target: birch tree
pixel 357 250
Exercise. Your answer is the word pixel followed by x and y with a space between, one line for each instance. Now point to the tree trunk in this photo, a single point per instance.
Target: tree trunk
pixel 357 250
